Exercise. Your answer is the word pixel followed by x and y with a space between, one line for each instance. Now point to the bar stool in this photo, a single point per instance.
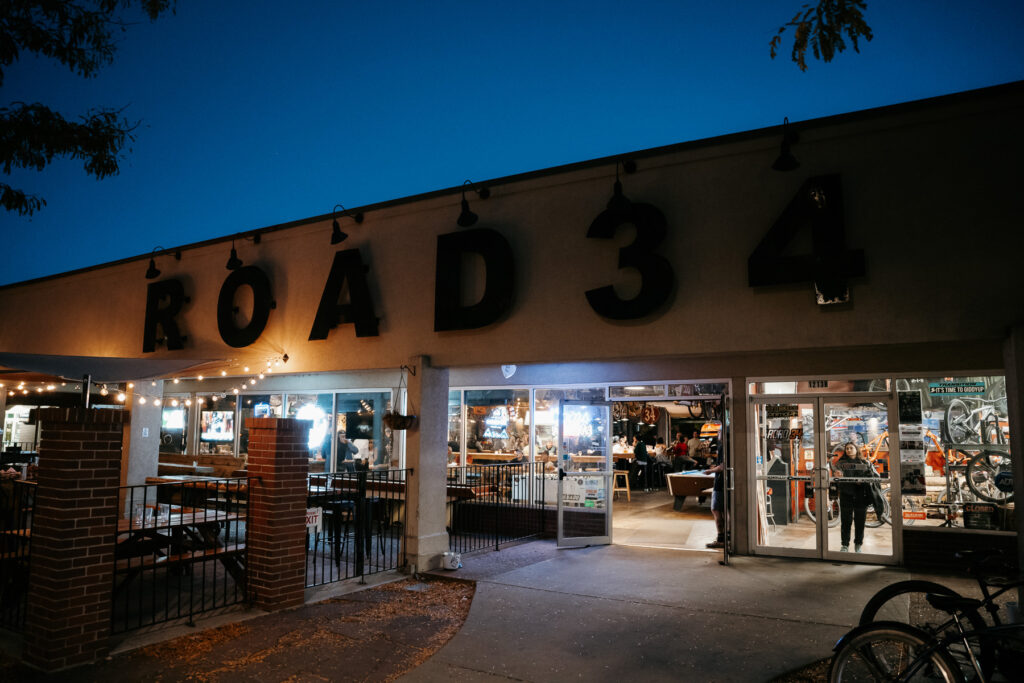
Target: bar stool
pixel 624 474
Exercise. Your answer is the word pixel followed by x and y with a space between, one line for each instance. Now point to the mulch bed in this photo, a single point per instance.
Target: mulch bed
pixel 372 635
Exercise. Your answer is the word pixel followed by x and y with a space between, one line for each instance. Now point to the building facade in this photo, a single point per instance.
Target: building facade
pixel 871 294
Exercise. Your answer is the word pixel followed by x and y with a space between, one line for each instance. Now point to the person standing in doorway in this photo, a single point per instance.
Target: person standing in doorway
pixel 854 496
pixel 718 503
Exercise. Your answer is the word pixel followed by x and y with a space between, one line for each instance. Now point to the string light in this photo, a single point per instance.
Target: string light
pixel 174 402
pixel 223 373
pixel 131 385
pixel 142 400
pixel 120 398
pixel 200 378
pixel 188 401
pixel 177 381
pixel 156 401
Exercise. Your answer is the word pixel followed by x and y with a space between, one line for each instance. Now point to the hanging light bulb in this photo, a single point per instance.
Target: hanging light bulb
pixel 142 400
pixel 786 161
pixel 49 387
pixel 174 402
pixel 234 391
pixel 200 378
pixel 245 369
pixel 177 381
pixel 200 400
pixel 252 381
pixel 188 402
pixel 262 375
pixel 156 401
pixel 131 385
pixel 121 397
pixel 103 390
pixel 223 373
pixel 39 390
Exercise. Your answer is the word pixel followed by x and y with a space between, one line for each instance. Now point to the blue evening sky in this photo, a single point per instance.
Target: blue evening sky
pixel 255 113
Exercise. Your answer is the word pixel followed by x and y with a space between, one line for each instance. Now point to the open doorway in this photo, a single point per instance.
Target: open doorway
pixel 668 504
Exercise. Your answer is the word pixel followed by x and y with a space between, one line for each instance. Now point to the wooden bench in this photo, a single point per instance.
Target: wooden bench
pixel 131 566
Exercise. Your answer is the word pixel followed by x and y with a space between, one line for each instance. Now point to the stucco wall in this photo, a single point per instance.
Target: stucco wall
pixel 931 195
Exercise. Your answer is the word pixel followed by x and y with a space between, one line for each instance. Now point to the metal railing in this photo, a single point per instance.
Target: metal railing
pixel 360 526
pixel 180 550
pixel 17 500
pixel 489 505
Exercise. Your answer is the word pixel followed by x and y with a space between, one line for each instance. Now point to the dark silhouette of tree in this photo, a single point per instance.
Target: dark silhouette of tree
pixel 821 28
pixel 80 34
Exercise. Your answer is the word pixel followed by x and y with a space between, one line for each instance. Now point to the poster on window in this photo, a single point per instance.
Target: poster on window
pixel 912 450
pixel 909 406
pixel 912 479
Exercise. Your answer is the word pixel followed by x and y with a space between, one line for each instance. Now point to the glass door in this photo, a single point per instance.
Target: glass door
pixel 584 474
pixel 785 459
pixel 811 500
pixel 856 479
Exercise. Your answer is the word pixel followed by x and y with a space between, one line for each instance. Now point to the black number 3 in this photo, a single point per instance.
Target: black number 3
pixel 656 276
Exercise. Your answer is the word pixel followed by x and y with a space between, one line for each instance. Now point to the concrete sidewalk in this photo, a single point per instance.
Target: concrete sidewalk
pixel 623 613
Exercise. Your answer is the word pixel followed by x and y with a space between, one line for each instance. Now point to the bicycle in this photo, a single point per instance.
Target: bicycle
pixel 894 651
pixel 978 422
pixel 905 601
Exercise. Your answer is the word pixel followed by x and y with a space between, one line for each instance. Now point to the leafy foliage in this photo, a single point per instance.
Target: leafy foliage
pixel 80 34
pixel 821 27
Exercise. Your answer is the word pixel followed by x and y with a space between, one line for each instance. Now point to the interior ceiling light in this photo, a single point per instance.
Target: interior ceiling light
pixel 337 234
pixel 786 161
pixel 467 217
pixel 234 263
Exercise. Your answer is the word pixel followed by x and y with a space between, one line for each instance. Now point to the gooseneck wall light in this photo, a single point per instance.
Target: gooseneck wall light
pixel 786 161
pixel 153 272
pixel 466 217
pixel 337 234
pixel 619 202
pixel 234 263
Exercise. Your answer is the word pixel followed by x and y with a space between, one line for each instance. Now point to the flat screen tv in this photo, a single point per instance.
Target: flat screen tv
pixel 217 425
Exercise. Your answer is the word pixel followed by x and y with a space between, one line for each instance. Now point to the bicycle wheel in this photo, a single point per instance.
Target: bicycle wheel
pixel 958 425
pixel 891 651
pixel 905 602
pixel 875 518
pixel 982 471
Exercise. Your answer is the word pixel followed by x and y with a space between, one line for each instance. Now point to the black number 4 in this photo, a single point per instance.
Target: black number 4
pixel 819 202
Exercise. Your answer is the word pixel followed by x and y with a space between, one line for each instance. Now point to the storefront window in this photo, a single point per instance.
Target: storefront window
pixel 17 432
pixel 454 428
pixel 497 426
pixel 317 409
pixel 174 425
pixel 255 405
pixel 546 411
pixel 216 424
pixel 358 420
pixel 955 453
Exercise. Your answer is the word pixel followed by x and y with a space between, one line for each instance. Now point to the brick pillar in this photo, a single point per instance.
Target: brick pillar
pixel 279 456
pixel 75 518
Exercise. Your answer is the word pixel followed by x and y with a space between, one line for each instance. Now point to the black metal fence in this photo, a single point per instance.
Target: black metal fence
pixel 17 499
pixel 358 524
pixel 489 505
pixel 180 550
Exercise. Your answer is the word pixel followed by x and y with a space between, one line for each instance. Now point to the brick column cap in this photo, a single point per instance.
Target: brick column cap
pixel 281 424
pixel 79 415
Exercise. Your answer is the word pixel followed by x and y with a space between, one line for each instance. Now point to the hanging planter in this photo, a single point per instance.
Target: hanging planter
pixel 397 421
pixel 394 420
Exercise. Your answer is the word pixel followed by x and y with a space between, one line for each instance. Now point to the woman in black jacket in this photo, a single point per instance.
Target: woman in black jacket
pixel 854 496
